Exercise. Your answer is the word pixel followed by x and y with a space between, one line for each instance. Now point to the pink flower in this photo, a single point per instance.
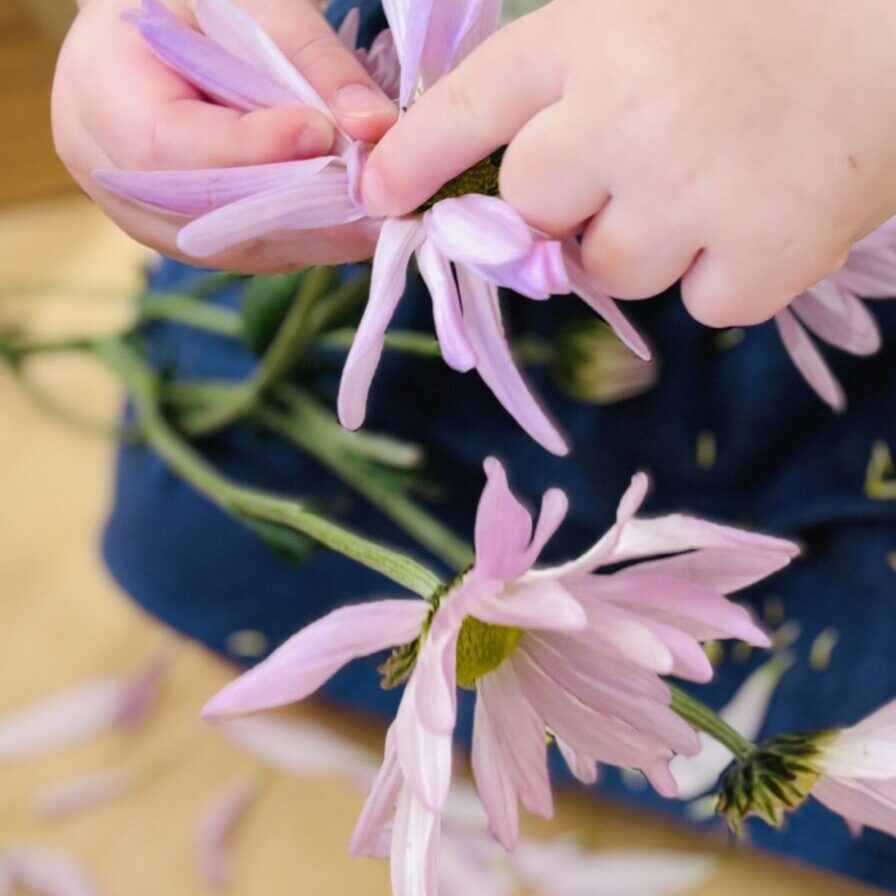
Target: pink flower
pixel 858 772
pixel 565 648
pixel 467 241
pixel 834 312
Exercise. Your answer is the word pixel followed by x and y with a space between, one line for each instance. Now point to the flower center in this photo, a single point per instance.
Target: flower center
pixel 482 648
pixel 482 178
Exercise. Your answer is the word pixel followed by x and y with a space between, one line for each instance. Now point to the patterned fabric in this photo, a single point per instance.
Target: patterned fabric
pixel 780 460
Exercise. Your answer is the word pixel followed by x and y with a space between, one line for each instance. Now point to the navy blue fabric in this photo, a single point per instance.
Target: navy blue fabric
pixel 786 464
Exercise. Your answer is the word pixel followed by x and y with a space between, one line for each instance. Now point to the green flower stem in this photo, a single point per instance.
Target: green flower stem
pixel 331 446
pixel 143 386
pixel 316 305
pixel 190 311
pixel 704 719
pixel 406 341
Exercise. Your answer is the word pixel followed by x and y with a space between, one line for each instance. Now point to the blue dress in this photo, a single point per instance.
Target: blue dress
pixel 785 464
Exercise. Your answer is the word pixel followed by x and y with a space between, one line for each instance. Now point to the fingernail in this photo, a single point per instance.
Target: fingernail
pixel 315 138
pixel 360 101
pixel 374 193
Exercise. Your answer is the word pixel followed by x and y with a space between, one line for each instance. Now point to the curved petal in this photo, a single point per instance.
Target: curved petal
pixel 194 193
pixel 839 318
pixel 554 507
pixel 809 361
pixel 583 768
pixel 323 201
pixel 480 231
pixel 503 526
pixel 870 272
pixel 601 302
pixel 399 238
pixel 210 68
pixel 238 33
pixel 47 873
pixel 439 279
pixel 858 803
pixel 317 652
pixel 496 366
pixel 350 28
pixel 424 757
pixel 493 781
pixel 216 826
pixel 415 848
pixel 539 274
pixel 376 816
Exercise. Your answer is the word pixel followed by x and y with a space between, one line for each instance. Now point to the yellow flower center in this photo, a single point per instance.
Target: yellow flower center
pixel 482 648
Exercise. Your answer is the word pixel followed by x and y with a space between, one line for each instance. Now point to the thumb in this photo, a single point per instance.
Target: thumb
pixel 360 107
pixel 465 116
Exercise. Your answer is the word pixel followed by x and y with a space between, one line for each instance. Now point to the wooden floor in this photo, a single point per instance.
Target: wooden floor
pixel 62 620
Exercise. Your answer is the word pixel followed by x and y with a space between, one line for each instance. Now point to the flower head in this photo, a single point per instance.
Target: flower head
pixel 570 650
pixel 834 312
pixel 467 241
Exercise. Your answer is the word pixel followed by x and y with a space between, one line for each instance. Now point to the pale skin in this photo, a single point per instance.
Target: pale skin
pixel 742 147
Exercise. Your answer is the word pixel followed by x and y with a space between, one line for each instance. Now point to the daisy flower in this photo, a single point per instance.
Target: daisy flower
pixel 569 649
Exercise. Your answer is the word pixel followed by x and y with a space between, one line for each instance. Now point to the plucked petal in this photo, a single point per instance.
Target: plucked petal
pixel 563 869
pixel 210 68
pixel 398 241
pixel 839 318
pixel 43 872
pixel 415 848
pixel 216 827
pixel 195 193
pixel 480 231
pixel 496 366
pixel 439 279
pixel 238 33
pixel 424 756
pixel 67 718
pixel 493 781
pixel 141 695
pixel 320 202
pixel 298 747
pixel 594 296
pixel 317 652
pixel 376 816
pixel 809 361
pixel 83 792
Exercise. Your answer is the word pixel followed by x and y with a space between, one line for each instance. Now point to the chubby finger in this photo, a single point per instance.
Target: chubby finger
pixel 360 107
pixel 466 115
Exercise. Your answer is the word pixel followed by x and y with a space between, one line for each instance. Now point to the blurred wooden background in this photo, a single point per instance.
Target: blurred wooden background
pixel 30 34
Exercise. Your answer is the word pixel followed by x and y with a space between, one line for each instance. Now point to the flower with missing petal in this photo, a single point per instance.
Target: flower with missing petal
pixel 834 312
pixel 568 649
pixel 466 240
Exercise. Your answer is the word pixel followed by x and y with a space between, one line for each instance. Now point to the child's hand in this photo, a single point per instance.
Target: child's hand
pixel 116 106
pixel 742 145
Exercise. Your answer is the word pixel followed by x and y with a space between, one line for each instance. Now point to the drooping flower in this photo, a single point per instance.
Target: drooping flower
pixel 43 872
pixel 466 240
pixel 834 312
pixel 567 649
pixel 81 712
